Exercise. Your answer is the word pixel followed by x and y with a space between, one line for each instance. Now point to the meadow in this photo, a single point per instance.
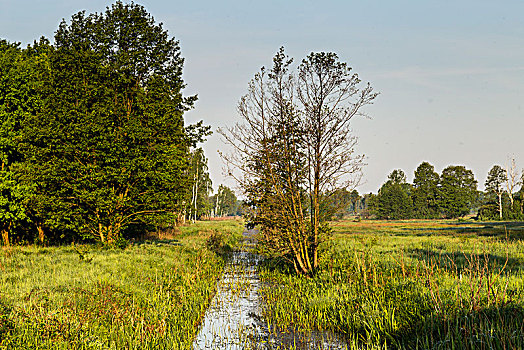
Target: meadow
pixel 381 284
pixel 152 294
pixel 408 285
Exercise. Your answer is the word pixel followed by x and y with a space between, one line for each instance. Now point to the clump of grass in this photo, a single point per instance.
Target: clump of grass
pixel 152 294
pixel 381 289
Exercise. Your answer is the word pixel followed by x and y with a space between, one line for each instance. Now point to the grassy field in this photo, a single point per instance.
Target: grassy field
pixel 409 285
pixel 151 295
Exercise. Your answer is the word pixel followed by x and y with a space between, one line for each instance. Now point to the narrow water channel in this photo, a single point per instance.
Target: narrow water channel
pixel 233 320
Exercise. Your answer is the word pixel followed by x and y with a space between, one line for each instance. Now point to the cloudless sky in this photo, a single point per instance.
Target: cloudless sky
pixel 450 73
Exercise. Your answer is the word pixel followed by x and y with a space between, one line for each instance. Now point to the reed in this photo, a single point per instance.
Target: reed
pixel 408 285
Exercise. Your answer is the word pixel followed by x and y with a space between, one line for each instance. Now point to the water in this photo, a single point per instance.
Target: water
pixel 233 320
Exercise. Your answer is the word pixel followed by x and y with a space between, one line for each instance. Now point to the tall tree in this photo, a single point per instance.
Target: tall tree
pixel 201 185
pixel 355 201
pixel 512 180
pixel 329 98
pixel 425 192
pixel 494 184
pixel 458 190
pixel 393 199
pixel 18 79
pixel 108 149
pixel 295 147
pixel 225 202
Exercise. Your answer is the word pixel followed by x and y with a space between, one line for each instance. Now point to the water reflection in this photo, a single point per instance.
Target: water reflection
pixel 233 320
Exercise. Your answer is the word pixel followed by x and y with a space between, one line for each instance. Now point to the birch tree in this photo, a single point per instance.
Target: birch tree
pixel 512 180
pixel 496 178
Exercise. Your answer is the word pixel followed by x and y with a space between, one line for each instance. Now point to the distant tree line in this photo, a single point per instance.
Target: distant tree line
pixel 93 144
pixel 451 194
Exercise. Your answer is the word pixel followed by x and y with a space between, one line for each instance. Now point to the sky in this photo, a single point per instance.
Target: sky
pixel 450 73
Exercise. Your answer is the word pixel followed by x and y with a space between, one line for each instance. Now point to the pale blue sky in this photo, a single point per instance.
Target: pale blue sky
pixel 450 73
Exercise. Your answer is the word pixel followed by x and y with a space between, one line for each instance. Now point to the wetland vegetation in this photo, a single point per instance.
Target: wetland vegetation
pixel 100 175
pixel 381 284
pixel 151 295
pixel 409 284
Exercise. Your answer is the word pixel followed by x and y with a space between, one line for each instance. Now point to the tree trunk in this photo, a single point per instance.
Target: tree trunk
pixel 316 212
pixel 41 236
pixel 5 237
pixel 500 205
pixel 5 234
pixel 101 232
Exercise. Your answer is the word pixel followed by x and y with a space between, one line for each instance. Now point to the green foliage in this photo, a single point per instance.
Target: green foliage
pixel 453 194
pixel 225 202
pixel 200 203
pixel 92 137
pixel 16 101
pixel 495 180
pixel 497 203
pixel 425 192
pixel 458 190
pixel 393 199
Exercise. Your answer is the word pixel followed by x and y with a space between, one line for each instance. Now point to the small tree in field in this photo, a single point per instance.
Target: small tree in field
pixel 295 147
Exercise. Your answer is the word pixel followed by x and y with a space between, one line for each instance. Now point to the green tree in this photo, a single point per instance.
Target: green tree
pixel 108 151
pixel 225 202
pixel 355 199
pixel 17 99
pixel 339 203
pixel 425 192
pixel 458 190
pixel 494 185
pixel 369 204
pixel 393 199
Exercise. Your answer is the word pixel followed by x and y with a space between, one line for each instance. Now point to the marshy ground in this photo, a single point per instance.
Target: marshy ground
pixel 400 284
pixel 410 284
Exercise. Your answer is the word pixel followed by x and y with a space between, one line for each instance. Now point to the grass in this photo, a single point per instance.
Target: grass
pixel 409 285
pixel 151 295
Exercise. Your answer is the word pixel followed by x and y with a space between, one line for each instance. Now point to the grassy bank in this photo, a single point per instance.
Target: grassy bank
pixel 151 295
pixel 414 284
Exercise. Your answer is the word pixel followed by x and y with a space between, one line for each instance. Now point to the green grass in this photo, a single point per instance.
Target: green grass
pixel 410 284
pixel 151 295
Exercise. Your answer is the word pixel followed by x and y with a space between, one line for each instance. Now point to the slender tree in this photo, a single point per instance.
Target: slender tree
pixel 425 192
pixel 296 146
pixel 512 180
pixel 201 185
pixel 497 177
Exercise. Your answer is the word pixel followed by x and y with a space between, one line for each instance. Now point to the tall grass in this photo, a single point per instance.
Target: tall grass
pixel 151 295
pixel 408 285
